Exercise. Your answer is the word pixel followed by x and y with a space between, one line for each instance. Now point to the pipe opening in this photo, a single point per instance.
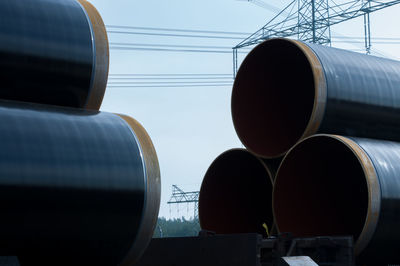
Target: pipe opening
pixel 320 190
pixel 236 195
pixel 273 97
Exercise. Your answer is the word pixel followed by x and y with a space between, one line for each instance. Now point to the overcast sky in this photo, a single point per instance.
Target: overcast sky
pixel 190 126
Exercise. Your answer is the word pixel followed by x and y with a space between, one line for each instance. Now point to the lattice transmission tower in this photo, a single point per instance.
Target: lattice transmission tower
pixel 181 197
pixel 310 21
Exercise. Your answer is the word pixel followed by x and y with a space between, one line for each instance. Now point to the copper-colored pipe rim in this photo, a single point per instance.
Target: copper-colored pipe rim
pixel 374 191
pixel 100 75
pixel 152 194
pixel 320 89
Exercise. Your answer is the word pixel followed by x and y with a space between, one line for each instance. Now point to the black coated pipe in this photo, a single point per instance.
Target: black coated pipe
pixel 286 90
pixel 235 195
pixel 53 52
pixel 77 187
pixel 334 185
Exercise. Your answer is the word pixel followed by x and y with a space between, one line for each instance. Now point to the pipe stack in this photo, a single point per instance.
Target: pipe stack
pixel 77 186
pixel 334 117
pixel 235 195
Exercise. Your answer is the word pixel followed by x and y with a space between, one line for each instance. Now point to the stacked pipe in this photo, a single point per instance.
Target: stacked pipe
pixel 334 117
pixel 77 186
pixel 235 195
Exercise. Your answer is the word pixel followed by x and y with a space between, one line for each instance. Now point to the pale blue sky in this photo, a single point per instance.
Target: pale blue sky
pixel 191 126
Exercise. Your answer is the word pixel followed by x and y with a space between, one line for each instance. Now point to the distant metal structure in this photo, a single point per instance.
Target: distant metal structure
pixel 310 21
pixel 179 197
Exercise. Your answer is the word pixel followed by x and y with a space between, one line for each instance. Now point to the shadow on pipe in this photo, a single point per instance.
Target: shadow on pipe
pixel 235 196
pixel 286 90
pixel 334 185
pixel 272 165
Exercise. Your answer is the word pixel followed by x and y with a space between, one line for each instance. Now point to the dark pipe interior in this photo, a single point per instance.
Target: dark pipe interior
pixel 321 190
pixel 272 97
pixel 236 195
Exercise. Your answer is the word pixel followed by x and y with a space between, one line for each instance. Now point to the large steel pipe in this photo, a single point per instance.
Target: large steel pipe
pixel 77 187
pixel 53 52
pixel 235 196
pixel 286 90
pixel 334 185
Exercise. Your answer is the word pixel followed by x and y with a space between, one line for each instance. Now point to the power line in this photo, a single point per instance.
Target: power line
pixel 375 42
pixel 312 20
pixel 374 38
pixel 175 35
pixel 169 79
pixel 170 45
pixel 264 5
pixel 177 30
pixel 168 82
pixel 170 74
pixel 158 78
pixel 170 86
pixel 172 50
pixel 179 196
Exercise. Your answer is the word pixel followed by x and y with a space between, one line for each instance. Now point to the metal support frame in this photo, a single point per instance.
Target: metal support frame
pixel 367 30
pixel 179 196
pixel 246 249
pixel 310 21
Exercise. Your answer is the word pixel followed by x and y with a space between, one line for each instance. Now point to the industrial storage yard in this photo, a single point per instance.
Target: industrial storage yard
pixel 280 138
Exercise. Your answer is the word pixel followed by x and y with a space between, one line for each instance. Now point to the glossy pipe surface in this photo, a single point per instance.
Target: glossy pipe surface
pixel 235 195
pixel 286 90
pixel 53 52
pixel 78 187
pixel 334 185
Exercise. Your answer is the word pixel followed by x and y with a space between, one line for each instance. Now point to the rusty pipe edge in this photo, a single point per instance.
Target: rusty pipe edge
pixel 153 191
pixel 101 66
pixel 273 67
pixel 300 163
pixel 235 195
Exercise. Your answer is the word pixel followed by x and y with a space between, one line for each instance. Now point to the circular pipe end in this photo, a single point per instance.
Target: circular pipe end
pixel 101 67
pixel 235 195
pixel 278 96
pixel 153 191
pixel 327 185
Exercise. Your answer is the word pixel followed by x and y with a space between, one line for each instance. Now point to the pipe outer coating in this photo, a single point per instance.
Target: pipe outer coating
pixel 153 192
pixel 287 90
pixel 385 157
pixel 363 94
pixel 380 163
pixel 48 42
pixel 78 187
